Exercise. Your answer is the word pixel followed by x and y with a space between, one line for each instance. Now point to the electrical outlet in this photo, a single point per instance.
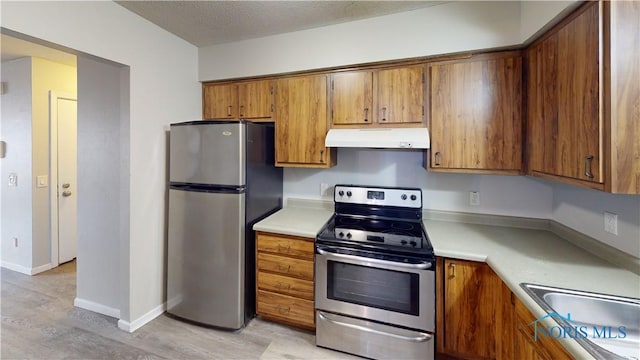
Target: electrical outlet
pixel 15 242
pixel 13 179
pixel 611 223
pixel 474 198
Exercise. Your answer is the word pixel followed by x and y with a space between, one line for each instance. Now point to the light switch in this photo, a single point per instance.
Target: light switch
pixel 42 181
pixel 13 179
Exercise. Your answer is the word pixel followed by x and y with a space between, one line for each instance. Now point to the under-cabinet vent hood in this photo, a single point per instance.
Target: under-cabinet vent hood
pixel 384 138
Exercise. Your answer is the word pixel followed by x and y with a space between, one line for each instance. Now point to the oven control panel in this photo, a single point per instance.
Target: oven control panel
pixel 401 197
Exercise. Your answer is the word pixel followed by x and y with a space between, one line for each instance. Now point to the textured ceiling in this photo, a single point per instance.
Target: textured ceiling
pixel 205 23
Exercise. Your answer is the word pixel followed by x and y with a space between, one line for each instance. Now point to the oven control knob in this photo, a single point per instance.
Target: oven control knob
pixel 341 234
pixel 341 193
pixel 348 235
pixel 413 243
pixel 413 197
pixel 349 193
pixel 404 197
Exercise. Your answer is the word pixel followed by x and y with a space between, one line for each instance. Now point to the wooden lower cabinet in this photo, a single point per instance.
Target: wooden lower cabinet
pixel 526 348
pixel 284 279
pixel 478 317
pixel 474 311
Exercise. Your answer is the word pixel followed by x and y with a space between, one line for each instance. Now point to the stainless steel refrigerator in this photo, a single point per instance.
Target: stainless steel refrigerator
pixel 222 180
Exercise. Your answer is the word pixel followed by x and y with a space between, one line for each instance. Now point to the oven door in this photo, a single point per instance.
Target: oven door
pixel 378 289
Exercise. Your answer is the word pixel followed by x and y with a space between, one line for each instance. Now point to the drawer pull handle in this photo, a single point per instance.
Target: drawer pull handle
pixel 587 166
pixel 284 268
pixel 284 309
pixel 283 248
pixel 281 286
pixel 437 158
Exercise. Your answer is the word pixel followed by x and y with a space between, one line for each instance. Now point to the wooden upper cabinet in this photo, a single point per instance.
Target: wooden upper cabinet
pixel 400 95
pixel 255 99
pixel 564 97
pixel 219 101
pixel 238 100
pixel 583 118
pixel 352 97
pixel 378 97
pixel 476 114
pixel 302 122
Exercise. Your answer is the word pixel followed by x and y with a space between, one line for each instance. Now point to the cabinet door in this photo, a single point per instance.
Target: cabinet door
pixel 471 295
pixel 578 73
pixel 301 121
pixel 351 97
pixel 400 95
pixel 528 348
pixel 255 99
pixel 564 100
pixel 220 101
pixel 475 113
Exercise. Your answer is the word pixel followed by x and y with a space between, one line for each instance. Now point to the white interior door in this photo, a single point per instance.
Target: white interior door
pixel 67 179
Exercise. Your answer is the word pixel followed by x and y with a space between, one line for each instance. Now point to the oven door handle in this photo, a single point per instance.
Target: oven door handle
pixel 422 337
pixel 326 251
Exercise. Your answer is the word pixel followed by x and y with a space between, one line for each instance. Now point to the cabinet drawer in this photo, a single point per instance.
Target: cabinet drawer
pixel 302 269
pixel 290 309
pixel 290 246
pixel 286 285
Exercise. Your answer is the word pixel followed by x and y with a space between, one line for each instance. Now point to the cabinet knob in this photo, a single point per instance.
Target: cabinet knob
pixel 321 156
pixel 229 110
pixel 587 166
pixel 436 159
pixel 366 114
pixel 384 114
pixel 241 110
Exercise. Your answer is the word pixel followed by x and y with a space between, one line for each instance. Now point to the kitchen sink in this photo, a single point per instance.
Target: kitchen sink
pixel 607 326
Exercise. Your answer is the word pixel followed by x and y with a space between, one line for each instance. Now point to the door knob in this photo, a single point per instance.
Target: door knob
pixel 66 193
pixel 66 186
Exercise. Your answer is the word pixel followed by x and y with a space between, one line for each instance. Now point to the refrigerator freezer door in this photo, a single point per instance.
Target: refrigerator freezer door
pixel 206 257
pixel 207 153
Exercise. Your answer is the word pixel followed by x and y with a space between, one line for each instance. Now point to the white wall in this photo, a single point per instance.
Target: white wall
pixel 583 210
pixel 500 195
pixel 446 28
pixel 16 131
pixel 535 16
pixel 99 183
pixel 163 89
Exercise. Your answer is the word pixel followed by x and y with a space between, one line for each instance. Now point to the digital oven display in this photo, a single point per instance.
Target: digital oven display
pixel 375 195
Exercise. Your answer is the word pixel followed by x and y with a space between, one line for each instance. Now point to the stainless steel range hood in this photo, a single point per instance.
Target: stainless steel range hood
pixel 382 138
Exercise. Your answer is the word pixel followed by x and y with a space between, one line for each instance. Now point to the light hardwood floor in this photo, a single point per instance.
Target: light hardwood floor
pixel 39 321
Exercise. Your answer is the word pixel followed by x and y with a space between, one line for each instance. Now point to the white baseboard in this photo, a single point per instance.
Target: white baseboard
pixel 142 320
pixel 95 307
pixel 42 268
pixel 24 269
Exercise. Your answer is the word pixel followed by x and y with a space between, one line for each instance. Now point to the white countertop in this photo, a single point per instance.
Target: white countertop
pixel 517 255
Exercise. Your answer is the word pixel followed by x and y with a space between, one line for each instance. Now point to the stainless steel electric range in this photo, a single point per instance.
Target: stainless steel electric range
pixel 375 275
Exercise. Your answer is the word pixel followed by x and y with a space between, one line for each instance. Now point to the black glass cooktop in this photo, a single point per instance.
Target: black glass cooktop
pixel 392 236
